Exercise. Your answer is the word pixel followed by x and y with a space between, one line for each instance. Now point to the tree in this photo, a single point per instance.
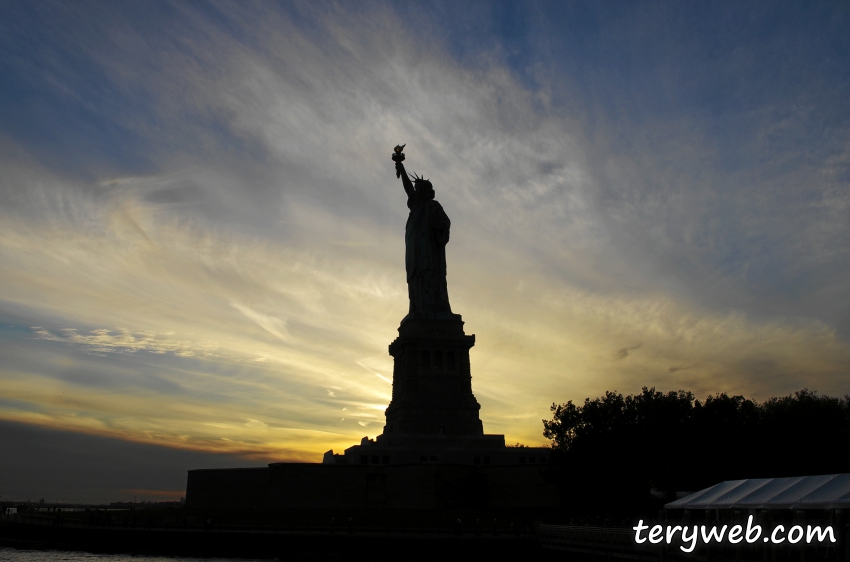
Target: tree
pixel 617 447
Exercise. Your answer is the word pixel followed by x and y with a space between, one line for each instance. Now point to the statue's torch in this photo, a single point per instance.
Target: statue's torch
pixel 398 157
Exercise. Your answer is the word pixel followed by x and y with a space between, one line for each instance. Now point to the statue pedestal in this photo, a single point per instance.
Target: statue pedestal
pixel 432 382
pixel 433 416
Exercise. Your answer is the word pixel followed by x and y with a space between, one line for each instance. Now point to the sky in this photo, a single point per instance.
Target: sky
pixel 201 231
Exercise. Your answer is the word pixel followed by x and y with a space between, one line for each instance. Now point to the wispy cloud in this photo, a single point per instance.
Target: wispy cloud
pixel 623 352
pixel 121 340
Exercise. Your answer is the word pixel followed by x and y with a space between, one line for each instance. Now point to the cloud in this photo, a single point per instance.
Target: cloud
pixel 273 325
pixel 121 340
pixel 97 469
pixel 622 353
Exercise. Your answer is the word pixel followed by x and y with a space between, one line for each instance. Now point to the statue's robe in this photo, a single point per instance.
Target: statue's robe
pixel 425 238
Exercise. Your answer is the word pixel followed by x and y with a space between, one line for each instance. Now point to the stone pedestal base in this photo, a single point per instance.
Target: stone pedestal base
pixel 480 450
pixel 432 381
pixel 433 416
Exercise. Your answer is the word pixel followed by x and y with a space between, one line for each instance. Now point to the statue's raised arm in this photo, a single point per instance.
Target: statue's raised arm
pixel 398 158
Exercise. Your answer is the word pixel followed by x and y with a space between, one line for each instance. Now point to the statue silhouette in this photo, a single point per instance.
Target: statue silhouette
pixel 425 237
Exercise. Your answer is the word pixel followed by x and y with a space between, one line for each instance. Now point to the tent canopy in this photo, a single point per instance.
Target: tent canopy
pixel 831 491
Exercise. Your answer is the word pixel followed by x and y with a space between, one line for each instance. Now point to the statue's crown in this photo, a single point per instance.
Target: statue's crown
pixel 417 178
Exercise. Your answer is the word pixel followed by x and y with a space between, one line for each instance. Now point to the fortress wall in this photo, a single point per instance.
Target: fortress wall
pixel 318 486
pixel 227 487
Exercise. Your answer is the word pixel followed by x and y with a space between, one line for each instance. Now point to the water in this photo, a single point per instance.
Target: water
pixel 15 555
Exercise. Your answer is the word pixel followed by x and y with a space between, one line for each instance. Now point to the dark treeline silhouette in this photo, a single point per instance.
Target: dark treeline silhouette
pixel 615 448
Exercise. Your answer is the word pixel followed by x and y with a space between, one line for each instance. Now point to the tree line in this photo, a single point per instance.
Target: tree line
pixel 614 448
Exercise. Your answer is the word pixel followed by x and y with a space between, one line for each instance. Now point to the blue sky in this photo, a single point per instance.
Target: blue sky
pixel 201 229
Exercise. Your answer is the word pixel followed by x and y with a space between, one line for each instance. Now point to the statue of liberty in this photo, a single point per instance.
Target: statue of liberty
pixel 425 238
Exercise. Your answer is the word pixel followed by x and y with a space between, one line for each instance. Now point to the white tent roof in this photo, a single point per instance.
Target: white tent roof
pixel 801 492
